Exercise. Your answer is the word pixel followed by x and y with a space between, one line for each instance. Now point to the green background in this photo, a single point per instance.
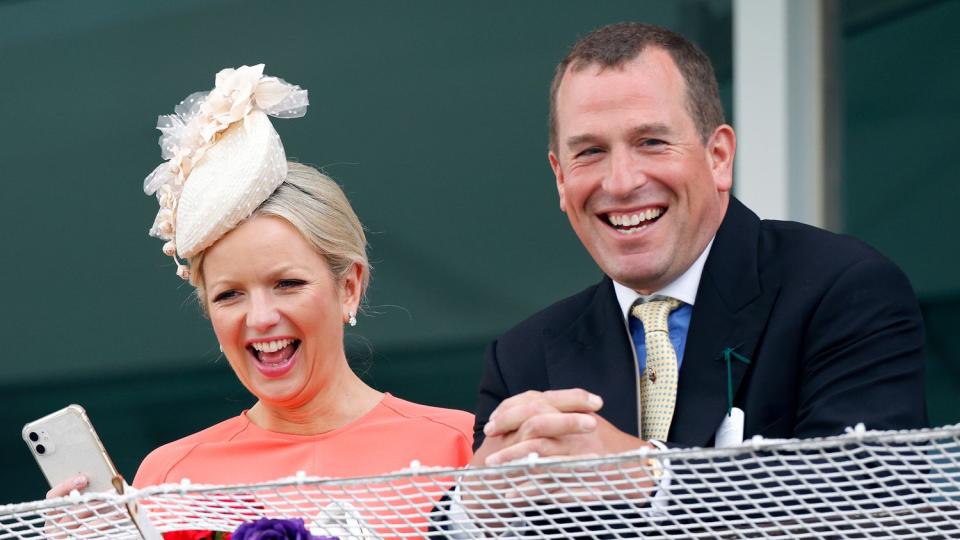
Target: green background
pixel 432 115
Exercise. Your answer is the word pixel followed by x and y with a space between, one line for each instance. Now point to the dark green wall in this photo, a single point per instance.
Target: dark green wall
pixel 431 114
pixel 901 175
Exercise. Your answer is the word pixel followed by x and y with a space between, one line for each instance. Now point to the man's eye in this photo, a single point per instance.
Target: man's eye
pixel 225 295
pixel 589 151
pixel 653 142
pixel 290 283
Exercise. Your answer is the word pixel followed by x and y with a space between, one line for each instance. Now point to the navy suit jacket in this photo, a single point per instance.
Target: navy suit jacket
pixel 831 327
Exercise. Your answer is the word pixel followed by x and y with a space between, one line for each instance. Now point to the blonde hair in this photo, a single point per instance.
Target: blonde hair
pixel 316 206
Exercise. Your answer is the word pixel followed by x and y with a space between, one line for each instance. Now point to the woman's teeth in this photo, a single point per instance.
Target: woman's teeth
pixel 276 352
pixel 271 346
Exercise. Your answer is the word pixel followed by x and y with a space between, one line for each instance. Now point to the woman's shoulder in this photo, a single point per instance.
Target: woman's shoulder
pixel 439 417
pixel 154 468
pixel 433 436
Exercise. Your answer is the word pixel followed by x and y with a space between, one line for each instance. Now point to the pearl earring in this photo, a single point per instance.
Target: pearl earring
pixel 352 321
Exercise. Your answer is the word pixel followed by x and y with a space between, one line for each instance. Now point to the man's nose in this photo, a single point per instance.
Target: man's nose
pixel 624 175
pixel 263 313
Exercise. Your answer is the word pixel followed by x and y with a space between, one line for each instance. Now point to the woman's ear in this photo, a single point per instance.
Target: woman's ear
pixel 351 289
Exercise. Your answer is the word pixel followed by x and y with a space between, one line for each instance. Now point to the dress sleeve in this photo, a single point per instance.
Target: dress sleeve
pixel 152 470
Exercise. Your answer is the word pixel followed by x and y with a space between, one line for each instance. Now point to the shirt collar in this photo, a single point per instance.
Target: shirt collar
pixel 684 288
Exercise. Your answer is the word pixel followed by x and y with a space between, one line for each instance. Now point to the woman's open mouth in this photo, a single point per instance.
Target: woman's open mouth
pixel 274 358
pixel 629 223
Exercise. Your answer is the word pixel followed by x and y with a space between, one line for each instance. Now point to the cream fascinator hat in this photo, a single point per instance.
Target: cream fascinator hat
pixel 224 158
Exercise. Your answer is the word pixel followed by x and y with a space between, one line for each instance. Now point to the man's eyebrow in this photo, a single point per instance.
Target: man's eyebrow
pixel 651 129
pixel 577 140
pixel 654 128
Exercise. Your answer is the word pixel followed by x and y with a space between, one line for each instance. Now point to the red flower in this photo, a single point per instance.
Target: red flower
pixel 196 535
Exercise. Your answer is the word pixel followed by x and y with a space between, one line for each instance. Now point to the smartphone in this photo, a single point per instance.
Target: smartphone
pixel 65 445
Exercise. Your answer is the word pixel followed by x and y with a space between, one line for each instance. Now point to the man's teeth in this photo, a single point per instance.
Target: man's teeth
pixel 630 220
pixel 271 346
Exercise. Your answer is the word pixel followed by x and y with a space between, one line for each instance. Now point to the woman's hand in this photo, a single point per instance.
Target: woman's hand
pixel 76 522
pixel 64 488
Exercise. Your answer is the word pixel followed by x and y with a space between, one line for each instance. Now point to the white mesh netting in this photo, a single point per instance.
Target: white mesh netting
pixel 858 485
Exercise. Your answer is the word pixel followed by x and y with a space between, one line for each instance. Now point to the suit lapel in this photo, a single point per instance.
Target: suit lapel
pixel 594 353
pixel 731 311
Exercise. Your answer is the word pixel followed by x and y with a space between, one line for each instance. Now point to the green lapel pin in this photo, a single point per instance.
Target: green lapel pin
pixel 728 356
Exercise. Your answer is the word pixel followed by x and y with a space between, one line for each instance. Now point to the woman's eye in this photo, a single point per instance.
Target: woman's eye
pixel 225 295
pixel 290 283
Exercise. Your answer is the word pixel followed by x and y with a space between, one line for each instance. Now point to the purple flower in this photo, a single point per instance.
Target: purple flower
pixel 276 529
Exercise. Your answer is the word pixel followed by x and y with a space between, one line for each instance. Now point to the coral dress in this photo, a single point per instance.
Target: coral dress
pixel 385 440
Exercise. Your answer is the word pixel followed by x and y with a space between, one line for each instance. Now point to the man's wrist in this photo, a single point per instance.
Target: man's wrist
pixel 653 464
pixel 660 445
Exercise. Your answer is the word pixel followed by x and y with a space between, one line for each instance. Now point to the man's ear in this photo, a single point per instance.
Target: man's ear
pixel 558 173
pixel 721 148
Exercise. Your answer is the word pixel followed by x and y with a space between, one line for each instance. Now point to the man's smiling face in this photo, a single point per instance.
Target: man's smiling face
pixel 642 190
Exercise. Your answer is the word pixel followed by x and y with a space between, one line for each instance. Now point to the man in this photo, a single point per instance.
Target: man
pixel 818 331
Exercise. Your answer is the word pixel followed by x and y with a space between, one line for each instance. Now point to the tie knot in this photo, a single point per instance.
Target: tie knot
pixel 654 314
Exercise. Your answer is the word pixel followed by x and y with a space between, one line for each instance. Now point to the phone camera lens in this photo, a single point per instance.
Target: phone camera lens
pixel 41 449
pixel 33 436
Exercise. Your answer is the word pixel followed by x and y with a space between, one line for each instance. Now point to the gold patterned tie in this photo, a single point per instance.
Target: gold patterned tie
pixel 658 382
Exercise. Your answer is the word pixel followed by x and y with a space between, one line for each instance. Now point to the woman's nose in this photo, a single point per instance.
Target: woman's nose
pixel 263 313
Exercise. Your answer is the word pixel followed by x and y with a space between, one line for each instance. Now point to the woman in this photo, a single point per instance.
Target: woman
pixel 278 289
pixel 278 260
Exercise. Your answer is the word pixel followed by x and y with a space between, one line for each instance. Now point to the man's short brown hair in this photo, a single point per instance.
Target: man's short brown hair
pixel 614 45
